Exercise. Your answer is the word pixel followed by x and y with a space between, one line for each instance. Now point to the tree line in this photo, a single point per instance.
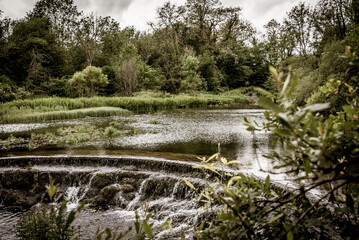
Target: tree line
pixel 199 46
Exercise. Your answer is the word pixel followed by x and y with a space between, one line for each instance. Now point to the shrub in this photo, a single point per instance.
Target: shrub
pixel 111 132
pixel 87 83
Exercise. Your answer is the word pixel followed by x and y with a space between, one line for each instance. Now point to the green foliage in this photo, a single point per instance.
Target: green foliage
pixel 49 221
pixel 149 77
pixel 64 108
pixel 33 54
pixel 87 83
pixel 9 91
pixel 112 132
pixel 35 116
pixel 144 229
pixel 192 80
pixel 320 149
pixel 210 72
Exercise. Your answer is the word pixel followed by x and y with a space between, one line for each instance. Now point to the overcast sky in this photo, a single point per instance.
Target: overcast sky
pixel 138 12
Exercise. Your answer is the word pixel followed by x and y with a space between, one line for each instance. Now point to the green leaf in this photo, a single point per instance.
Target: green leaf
pixel 148 230
pixel 285 85
pixel 168 222
pixel 281 132
pixel 189 184
pixel 137 223
pixel 270 105
pixel 70 219
pixel 233 162
pixel 213 157
pixel 276 217
pixel 307 166
pixel 51 191
pixel 234 179
pixel 267 182
pixel 290 235
pixel 224 160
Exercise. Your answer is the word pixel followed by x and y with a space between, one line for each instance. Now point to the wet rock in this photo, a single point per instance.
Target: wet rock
pixel 126 188
pixel 101 180
pixel 19 198
pixel 158 187
pixel 92 192
pixel 107 195
pixel 19 179
pixel 129 196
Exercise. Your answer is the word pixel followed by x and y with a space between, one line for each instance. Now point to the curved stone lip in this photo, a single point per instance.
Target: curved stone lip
pixel 141 162
pixel 103 157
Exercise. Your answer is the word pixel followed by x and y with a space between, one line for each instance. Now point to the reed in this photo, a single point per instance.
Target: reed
pixel 64 114
pixel 64 108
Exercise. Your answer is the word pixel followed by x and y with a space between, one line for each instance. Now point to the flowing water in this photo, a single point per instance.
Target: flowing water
pixel 132 181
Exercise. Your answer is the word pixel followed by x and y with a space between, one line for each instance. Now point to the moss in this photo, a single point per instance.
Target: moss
pixel 106 195
pixel 126 188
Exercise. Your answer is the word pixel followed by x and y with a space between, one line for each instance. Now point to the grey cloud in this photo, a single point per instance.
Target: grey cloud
pixel 104 8
pixel 264 6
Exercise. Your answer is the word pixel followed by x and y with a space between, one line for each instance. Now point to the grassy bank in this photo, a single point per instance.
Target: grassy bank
pixel 42 109
pixel 37 116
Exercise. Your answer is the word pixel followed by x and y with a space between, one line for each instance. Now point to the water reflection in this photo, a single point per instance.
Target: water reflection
pixel 181 133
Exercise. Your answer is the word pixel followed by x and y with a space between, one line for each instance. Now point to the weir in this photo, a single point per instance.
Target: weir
pixel 112 187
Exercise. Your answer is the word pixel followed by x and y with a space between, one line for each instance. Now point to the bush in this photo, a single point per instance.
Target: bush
pixel 87 83
pixel 111 132
pixel 9 92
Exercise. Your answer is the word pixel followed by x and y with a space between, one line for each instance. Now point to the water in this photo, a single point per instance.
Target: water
pixel 158 183
pixel 181 135
pixel 161 192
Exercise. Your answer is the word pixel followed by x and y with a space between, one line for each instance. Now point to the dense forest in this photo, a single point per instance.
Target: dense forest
pixel 198 46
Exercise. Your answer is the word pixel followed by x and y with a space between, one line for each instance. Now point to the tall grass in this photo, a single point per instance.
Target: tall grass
pixel 63 114
pixel 137 104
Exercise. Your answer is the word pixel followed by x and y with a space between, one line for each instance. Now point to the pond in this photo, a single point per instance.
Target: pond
pixel 182 135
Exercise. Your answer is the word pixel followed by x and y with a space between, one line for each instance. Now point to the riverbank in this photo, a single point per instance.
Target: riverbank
pixel 55 108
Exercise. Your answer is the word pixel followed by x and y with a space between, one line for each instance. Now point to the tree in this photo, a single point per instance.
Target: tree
pixel 300 25
pixel 209 71
pixel 33 54
pixel 206 17
pixel 273 31
pixel 191 78
pixel 127 76
pixel 88 82
pixel 89 33
pixel 62 15
pixel 332 20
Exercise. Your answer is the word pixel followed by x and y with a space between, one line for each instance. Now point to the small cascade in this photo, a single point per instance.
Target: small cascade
pixel 75 194
pixel 115 190
pixel 131 205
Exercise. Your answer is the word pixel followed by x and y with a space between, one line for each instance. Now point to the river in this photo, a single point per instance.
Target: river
pixel 181 135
